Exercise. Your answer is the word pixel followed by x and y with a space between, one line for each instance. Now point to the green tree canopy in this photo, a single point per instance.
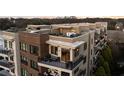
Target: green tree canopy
pixel 107 69
pixel 101 60
pixel 106 53
pixel 100 71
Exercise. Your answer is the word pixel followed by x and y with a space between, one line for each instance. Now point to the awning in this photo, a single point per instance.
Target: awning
pixel 65 44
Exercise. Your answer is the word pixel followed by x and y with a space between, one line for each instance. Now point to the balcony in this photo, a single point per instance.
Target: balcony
pixel 6 65
pixel 5 51
pixel 55 61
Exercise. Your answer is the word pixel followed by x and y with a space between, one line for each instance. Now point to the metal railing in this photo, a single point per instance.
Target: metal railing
pixel 57 63
pixel 5 51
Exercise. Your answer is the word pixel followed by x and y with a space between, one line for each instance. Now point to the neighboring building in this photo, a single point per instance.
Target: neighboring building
pixel 119 26
pixel 8 53
pixel 100 41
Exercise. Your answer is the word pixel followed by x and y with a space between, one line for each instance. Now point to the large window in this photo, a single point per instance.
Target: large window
pixel 24 72
pixel 65 56
pixel 24 46
pixel 33 64
pixel 5 43
pixel 85 45
pixel 34 49
pixel 12 58
pixel 76 52
pixel 24 60
pixel 85 59
pixel 54 50
pixel 10 44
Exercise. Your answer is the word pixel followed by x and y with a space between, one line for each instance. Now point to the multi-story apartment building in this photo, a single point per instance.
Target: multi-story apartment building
pixel 61 49
pixel 68 52
pixel 8 53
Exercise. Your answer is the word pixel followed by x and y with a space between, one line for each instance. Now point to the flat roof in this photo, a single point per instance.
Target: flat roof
pixel 66 44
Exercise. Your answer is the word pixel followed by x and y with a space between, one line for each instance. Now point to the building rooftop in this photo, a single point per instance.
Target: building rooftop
pixel 66 44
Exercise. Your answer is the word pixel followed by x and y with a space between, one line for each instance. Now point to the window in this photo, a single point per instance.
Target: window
pixel 84 60
pixel 33 49
pixel 13 70
pixel 91 51
pixel 5 43
pixel 33 64
pixel 85 45
pixel 76 52
pixel 1 57
pixel 38 28
pixel 92 41
pixel 54 50
pixel 24 60
pixel 6 58
pixel 65 55
pixel 65 74
pixel 10 44
pixel 24 46
pixel 11 58
pixel 24 72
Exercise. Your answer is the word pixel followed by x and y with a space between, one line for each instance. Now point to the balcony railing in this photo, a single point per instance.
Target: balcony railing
pixel 5 51
pixel 55 61
pixel 64 35
pixel 6 64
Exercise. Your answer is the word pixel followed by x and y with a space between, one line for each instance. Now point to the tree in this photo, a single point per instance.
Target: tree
pixel 106 53
pixel 107 69
pixel 100 71
pixel 101 60
pixel 105 65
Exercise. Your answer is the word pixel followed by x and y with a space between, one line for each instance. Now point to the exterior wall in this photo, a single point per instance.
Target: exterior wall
pixel 38 40
pixel 91 51
pixel 85 53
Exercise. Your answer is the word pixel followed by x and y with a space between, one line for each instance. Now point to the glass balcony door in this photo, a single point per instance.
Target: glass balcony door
pixel 65 55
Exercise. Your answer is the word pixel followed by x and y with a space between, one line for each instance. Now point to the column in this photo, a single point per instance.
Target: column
pixel 8 44
pixel 59 52
pixel 49 49
pixel 71 54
